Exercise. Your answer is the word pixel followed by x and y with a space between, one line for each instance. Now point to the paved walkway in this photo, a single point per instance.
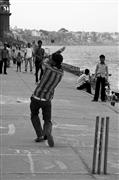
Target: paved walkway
pixel 73 119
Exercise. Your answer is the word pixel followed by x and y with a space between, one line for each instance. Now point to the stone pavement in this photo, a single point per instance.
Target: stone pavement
pixel 73 117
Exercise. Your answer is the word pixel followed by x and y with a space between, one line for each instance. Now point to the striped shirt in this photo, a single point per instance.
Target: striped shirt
pixel 82 79
pixel 50 79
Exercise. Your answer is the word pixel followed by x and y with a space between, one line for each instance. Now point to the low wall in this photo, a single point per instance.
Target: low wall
pixel 76 71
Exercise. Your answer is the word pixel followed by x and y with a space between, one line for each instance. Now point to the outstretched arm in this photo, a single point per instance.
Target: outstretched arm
pixel 60 50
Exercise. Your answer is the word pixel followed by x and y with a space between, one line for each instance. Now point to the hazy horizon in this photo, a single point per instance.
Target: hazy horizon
pixel 16 27
pixel 73 15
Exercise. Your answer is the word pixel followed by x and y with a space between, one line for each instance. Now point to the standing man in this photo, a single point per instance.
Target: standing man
pixel 28 57
pixel 1 61
pixel 42 96
pixel 5 58
pixel 101 76
pixel 39 55
pixel 34 46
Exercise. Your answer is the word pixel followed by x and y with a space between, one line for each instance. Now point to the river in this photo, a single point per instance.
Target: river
pixel 88 57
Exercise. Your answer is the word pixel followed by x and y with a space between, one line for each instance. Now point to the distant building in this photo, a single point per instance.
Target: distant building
pixel 36 33
pixel 4 17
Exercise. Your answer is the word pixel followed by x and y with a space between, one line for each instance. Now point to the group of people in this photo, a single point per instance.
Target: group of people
pixel 6 55
pixel 33 55
pixel 51 73
pixel 100 78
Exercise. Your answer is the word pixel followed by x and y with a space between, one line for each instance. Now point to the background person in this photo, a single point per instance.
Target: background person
pixel 13 54
pixel 83 82
pixel 39 56
pixel 5 57
pixel 1 62
pixel 19 61
pixel 34 47
pixel 28 57
pixel 10 57
pixel 101 76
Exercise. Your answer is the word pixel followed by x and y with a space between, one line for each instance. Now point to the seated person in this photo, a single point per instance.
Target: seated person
pixel 83 82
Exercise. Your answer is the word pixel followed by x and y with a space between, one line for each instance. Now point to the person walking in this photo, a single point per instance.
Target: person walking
pixel 42 96
pixel 39 55
pixel 19 61
pixel 28 57
pixel 5 57
pixel 101 76
pixel 13 54
pixel 34 46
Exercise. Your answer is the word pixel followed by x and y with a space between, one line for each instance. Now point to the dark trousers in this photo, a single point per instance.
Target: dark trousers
pixel 45 106
pixel 38 67
pixel 19 66
pixel 1 64
pixel 100 84
pixel 5 65
pixel 14 60
pixel 86 86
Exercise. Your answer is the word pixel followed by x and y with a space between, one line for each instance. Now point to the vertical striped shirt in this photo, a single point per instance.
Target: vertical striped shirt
pixel 50 79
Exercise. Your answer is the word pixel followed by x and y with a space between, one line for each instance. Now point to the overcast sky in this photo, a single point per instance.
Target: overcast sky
pixel 74 15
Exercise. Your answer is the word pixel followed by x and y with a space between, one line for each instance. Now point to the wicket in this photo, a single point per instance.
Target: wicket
pixel 98 145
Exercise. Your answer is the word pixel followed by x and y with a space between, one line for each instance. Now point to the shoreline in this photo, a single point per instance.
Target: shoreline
pixel 81 44
pixel 77 71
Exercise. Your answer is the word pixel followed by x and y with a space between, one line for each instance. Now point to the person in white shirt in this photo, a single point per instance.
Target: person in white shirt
pixel 101 76
pixel 28 57
pixel 83 82
pixel 14 55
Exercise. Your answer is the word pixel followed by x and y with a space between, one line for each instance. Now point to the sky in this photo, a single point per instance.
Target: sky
pixel 73 15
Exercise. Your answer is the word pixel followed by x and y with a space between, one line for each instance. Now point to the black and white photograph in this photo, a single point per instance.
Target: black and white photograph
pixel 59 89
